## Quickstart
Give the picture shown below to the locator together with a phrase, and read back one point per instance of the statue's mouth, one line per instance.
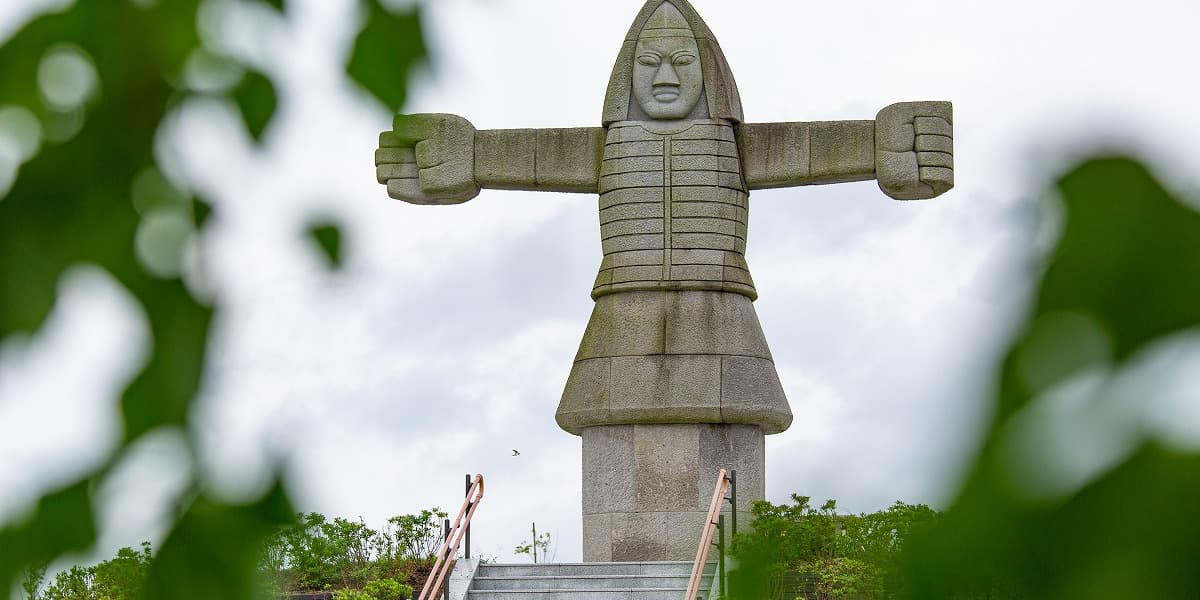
(666, 93)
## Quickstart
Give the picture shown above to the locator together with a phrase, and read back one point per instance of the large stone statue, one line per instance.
(673, 380)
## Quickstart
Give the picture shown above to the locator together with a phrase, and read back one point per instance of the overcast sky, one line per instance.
(445, 342)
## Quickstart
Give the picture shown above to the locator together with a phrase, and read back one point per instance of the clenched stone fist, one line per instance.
(914, 149)
(428, 159)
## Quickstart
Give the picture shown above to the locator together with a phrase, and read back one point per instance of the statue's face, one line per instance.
(667, 78)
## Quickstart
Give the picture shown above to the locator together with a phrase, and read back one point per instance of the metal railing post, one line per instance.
(721, 556)
(446, 586)
(467, 541)
(733, 502)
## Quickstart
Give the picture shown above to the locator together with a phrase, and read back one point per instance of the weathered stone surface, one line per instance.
(559, 160)
(722, 324)
(842, 151)
(625, 325)
(639, 536)
(506, 158)
(608, 474)
(681, 190)
(683, 532)
(444, 152)
(597, 537)
(673, 357)
(740, 447)
(674, 470)
(568, 160)
(906, 166)
(666, 463)
(751, 393)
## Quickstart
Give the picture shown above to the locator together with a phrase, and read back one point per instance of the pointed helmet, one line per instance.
(720, 89)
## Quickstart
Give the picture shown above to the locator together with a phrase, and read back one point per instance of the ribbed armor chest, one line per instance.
(673, 210)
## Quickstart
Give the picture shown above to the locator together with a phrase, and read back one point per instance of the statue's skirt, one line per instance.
(663, 357)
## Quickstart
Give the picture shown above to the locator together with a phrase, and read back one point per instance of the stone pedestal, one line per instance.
(647, 488)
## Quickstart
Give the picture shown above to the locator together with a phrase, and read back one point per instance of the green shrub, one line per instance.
(351, 595)
(120, 578)
(387, 589)
(842, 556)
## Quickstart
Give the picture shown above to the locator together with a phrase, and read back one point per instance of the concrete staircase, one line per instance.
(585, 581)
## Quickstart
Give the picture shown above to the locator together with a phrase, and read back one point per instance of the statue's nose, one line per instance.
(666, 74)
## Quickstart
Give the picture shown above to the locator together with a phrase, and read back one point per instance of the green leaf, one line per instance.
(162, 393)
(201, 213)
(257, 101)
(214, 550)
(1123, 277)
(1129, 255)
(329, 239)
(63, 522)
(276, 4)
(385, 53)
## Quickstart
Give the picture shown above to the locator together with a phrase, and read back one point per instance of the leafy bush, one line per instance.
(340, 554)
(843, 556)
(842, 578)
(72, 584)
(120, 578)
(413, 537)
(387, 589)
(351, 595)
(377, 589)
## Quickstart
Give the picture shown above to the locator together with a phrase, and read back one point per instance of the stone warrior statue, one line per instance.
(673, 379)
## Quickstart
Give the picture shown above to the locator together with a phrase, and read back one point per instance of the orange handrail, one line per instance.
(706, 536)
(455, 536)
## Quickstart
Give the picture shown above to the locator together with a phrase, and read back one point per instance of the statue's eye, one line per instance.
(684, 59)
(649, 60)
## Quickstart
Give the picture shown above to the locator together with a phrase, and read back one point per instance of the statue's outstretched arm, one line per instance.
(778, 155)
(442, 159)
(909, 148)
(547, 160)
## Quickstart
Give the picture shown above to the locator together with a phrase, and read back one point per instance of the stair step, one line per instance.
(585, 581)
(579, 582)
(585, 594)
(571, 569)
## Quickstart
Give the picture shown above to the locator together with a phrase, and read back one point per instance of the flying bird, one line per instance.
(515, 453)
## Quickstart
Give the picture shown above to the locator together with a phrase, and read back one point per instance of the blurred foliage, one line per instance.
(256, 100)
(381, 58)
(317, 554)
(99, 77)
(830, 555)
(1124, 276)
(329, 239)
